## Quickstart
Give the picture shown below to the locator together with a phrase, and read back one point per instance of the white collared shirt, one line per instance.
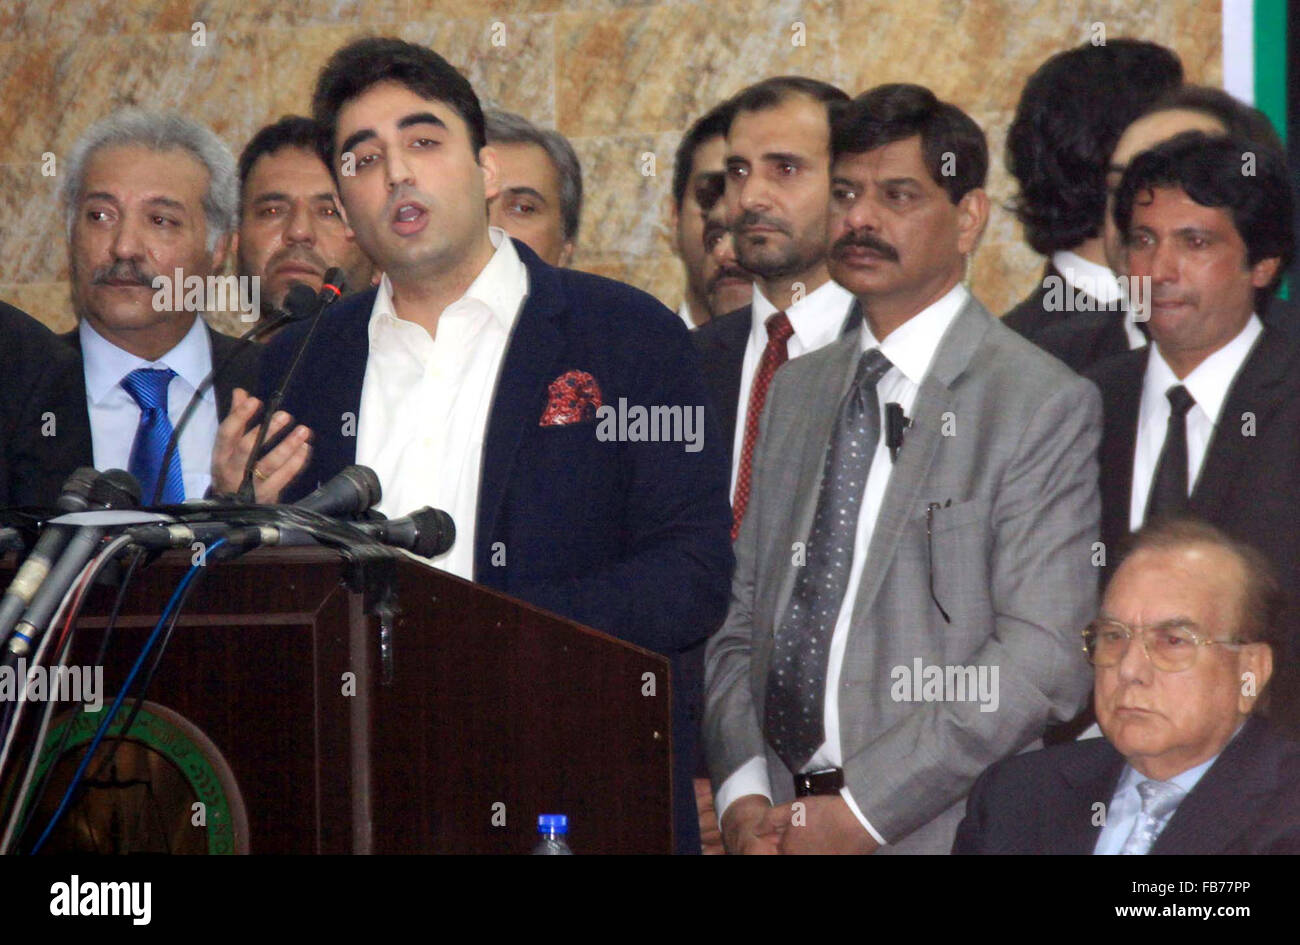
(425, 401)
(910, 348)
(817, 320)
(684, 313)
(1126, 802)
(1208, 384)
(115, 416)
(1099, 282)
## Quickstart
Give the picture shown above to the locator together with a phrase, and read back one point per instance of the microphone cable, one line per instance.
(76, 781)
(137, 555)
(76, 594)
(331, 532)
(331, 290)
(246, 339)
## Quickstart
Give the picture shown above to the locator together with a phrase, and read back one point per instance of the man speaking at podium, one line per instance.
(479, 380)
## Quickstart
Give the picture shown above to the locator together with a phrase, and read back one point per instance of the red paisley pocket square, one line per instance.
(573, 397)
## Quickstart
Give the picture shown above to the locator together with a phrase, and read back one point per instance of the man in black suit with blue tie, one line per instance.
(150, 200)
(477, 379)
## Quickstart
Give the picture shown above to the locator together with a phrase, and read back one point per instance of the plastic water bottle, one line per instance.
(553, 829)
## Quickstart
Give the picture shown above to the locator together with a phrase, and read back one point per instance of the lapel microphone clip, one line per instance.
(896, 423)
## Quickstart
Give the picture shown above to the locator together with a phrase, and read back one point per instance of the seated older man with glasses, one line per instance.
(1183, 652)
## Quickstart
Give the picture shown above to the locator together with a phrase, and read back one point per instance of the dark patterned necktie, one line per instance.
(796, 682)
(775, 354)
(148, 387)
(1169, 484)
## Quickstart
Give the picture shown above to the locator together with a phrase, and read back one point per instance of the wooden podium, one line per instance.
(493, 712)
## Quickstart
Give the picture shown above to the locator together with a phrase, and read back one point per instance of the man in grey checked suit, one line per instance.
(938, 598)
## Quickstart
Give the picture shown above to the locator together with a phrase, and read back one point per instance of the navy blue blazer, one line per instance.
(631, 538)
(1044, 801)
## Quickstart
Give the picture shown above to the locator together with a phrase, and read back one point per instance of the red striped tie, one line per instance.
(779, 331)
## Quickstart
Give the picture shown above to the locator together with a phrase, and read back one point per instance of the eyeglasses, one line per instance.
(1170, 647)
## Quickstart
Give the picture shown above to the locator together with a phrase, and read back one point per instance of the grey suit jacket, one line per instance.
(1009, 435)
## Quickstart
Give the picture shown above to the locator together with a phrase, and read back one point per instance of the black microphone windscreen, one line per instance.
(300, 302)
(435, 532)
(116, 489)
(350, 492)
(334, 277)
(75, 495)
(368, 484)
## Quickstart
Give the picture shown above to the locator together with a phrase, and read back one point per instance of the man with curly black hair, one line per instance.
(1070, 116)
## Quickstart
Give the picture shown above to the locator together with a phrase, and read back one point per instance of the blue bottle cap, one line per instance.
(552, 823)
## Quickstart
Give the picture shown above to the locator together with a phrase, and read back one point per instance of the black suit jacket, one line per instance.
(1249, 484)
(1085, 339)
(42, 414)
(241, 372)
(1043, 801)
(721, 345)
(1079, 338)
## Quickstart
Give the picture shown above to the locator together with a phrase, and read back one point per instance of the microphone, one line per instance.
(331, 290)
(296, 307)
(299, 303)
(350, 493)
(428, 532)
(160, 536)
(896, 422)
(114, 489)
(75, 497)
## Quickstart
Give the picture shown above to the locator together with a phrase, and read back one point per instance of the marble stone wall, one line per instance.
(619, 77)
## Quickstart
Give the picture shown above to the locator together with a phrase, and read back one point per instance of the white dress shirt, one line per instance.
(115, 416)
(817, 320)
(1208, 384)
(425, 401)
(1099, 282)
(684, 313)
(910, 348)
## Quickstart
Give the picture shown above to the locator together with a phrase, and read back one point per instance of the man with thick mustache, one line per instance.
(956, 539)
(1205, 418)
(290, 226)
(776, 204)
(147, 195)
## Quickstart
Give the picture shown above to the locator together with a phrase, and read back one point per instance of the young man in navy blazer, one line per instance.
(478, 379)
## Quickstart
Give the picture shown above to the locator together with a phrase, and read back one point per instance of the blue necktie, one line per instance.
(148, 387)
(1159, 801)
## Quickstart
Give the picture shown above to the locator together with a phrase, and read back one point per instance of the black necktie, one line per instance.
(1169, 485)
(795, 719)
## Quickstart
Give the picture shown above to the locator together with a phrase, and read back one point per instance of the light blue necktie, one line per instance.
(1159, 801)
(148, 387)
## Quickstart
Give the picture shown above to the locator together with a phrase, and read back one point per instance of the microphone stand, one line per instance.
(330, 291)
(245, 340)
